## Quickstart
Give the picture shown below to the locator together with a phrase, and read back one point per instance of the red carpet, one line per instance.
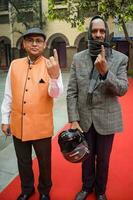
(67, 176)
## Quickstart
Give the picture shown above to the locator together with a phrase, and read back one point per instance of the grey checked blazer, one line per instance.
(95, 100)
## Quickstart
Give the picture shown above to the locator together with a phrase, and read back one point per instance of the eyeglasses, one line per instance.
(32, 41)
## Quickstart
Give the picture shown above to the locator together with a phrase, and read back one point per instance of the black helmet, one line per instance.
(73, 145)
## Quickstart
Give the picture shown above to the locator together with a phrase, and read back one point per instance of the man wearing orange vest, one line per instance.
(32, 83)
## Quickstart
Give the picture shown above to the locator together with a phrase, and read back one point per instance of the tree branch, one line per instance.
(126, 33)
(13, 4)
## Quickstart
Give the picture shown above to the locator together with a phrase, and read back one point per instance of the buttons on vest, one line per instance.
(24, 102)
(31, 94)
(28, 78)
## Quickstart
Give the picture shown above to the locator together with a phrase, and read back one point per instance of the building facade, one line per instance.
(60, 34)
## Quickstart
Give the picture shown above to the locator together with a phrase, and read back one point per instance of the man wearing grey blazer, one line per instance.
(98, 77)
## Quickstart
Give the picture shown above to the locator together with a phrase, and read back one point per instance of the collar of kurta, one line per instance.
(31, 62)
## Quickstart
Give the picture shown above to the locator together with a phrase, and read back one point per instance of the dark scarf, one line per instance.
(95, 47)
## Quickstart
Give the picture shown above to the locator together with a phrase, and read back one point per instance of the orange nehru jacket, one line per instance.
(31, 114)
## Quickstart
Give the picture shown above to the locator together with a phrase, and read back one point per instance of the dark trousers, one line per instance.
(42, 149)
(95, 168)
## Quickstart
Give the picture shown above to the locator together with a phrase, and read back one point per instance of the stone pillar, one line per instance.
(14, 53)
(70, 51)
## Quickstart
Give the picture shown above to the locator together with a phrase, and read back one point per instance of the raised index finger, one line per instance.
(102, 51)
(56, 55)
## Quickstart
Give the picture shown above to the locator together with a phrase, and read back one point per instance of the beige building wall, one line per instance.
(5, 30)
(64, 28)
(54, 29)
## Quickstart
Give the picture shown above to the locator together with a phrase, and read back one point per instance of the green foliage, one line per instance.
(121, 10)
(76, 11)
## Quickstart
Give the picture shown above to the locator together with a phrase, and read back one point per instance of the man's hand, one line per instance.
(75, 125)
(53, 66)
(101, 63)
(6, 129)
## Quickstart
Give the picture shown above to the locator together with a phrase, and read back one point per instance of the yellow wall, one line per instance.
(5, 30)
(64, 28)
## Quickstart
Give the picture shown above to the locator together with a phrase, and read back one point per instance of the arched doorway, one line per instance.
(60, 45)
(5, 53)
(59, 42)
(81, 42)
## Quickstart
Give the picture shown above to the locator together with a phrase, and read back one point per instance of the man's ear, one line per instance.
(23, 43)
(45, 44)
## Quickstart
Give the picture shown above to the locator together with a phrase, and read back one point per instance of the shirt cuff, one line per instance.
(5, 119)
(53, 88)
